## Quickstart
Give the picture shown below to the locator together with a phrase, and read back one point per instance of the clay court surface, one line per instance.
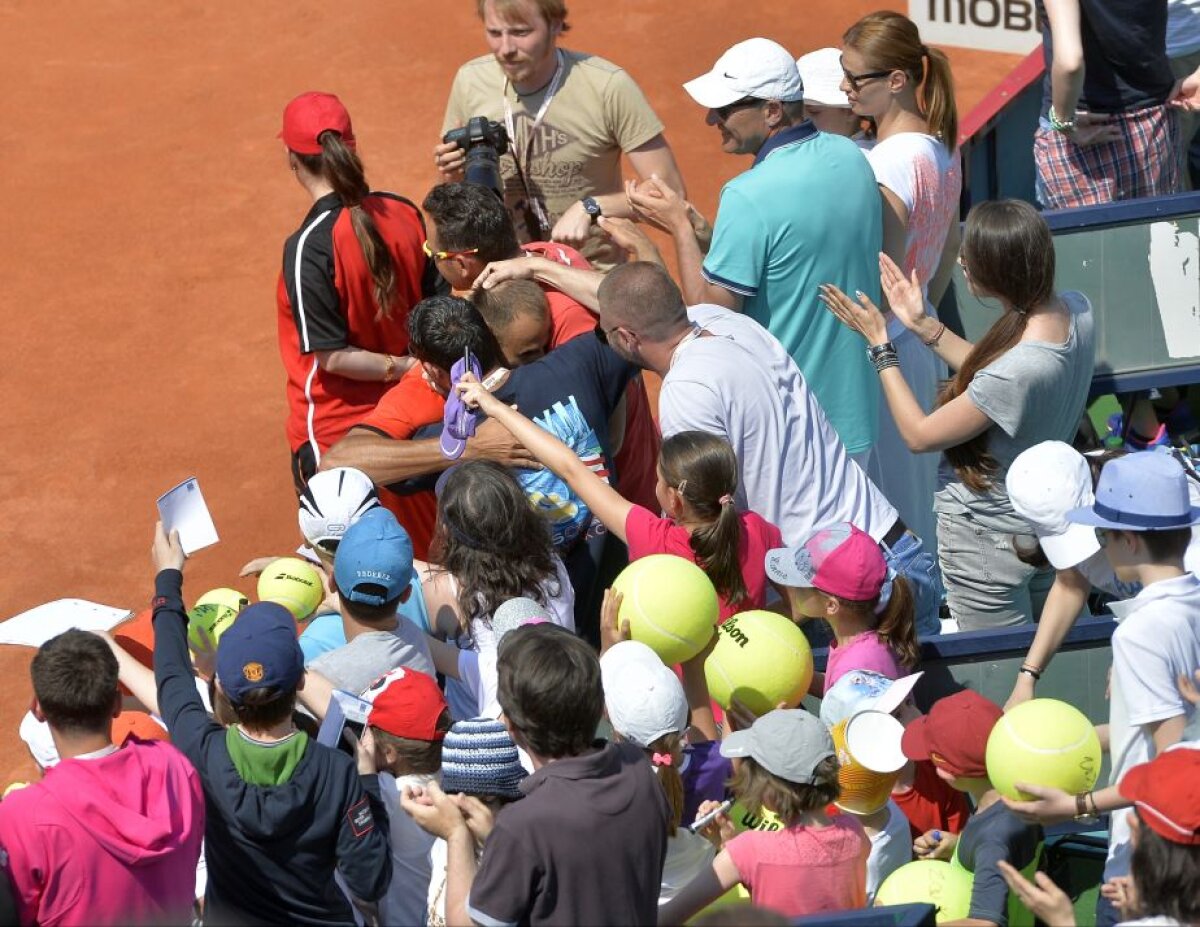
(148, 200)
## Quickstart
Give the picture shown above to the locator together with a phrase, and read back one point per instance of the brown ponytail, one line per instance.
(670, 745)
(897, 627)
(889, 41)
(703, 468)
(341, 166)
(1007, 253)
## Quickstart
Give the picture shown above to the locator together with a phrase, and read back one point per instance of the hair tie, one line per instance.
(662, 759)
(726, 499)
(885, 592)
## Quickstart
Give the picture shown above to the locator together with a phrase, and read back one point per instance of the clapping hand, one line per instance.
(863, 316)
(904, 294)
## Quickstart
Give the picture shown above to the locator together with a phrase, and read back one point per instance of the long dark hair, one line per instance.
(1167, 876)
(341, 166)
(890, 41)
(491, 540)
(896, 625)
(1008, 253)
(703, 468)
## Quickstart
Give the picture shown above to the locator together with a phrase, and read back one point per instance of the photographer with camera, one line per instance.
(552, 124)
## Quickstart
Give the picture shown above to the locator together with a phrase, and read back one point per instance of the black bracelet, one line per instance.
(1030, 671)
(886, 361)
(876, 350)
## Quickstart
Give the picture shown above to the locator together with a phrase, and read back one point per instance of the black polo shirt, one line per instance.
(585, 846)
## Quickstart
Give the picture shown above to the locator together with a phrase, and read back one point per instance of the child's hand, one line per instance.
(720, 830)
(934, 844)
(479, 817)
(166, 552)
(612, 629)
(1188, 689)
(364, 750)
(1049, 805)
(1123, 895)
(204, 657)
(434, 811)
(474, 393)
(1047, 901)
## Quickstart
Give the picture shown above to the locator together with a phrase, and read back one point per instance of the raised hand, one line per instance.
(863, 316)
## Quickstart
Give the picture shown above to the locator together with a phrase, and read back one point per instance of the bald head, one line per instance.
(642, 297)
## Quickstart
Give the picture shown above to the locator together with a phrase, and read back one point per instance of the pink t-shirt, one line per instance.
(647, 534)
(804, 870)
(864, 652)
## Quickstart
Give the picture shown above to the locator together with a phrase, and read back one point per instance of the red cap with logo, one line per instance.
(1166, 793)
(310, 114)
(954, 734)
(406, 703)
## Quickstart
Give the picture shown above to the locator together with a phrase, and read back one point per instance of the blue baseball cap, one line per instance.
(259, 650)
(374, 561)
(1143, 491)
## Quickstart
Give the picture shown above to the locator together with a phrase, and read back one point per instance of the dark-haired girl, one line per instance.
(1026, 381)
(351, 272)
(697, 479)
(489, 545)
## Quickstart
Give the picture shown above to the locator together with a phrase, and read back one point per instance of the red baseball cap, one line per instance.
(840, 560)
(310, 114)
(954, 734)
(1166, 793)
(406, 703)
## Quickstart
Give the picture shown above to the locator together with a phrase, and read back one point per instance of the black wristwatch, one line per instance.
(592, 208)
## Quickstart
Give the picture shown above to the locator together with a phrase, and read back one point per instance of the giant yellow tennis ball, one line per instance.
(762, 659)
(931, 881)
(1043, 742)
(743, 819)
(670, 604)
(213, 613)
(293, 583)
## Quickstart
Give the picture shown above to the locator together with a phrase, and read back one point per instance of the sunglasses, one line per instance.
(857, 80)
(724, 112)
(445, 255)
(602, 335)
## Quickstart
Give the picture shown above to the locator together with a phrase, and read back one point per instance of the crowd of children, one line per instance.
(440, 742)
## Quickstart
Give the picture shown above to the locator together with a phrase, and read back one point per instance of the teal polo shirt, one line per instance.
(808, 212)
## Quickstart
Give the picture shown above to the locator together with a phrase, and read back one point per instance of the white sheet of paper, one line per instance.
(183, 509)
(36, 626)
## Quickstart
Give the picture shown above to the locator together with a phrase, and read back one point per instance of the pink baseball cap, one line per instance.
(310, 114)
(840, 560)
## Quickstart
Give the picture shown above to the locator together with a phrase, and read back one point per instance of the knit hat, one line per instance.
(480, 758)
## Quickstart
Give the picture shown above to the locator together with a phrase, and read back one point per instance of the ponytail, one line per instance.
(703, 469)
(669, 746)
(339, 164)
(897, 625)
(936, 98)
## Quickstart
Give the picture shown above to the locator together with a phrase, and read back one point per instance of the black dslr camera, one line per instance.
(484, 140)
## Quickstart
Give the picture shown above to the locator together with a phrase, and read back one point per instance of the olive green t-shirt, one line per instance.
(597, 113)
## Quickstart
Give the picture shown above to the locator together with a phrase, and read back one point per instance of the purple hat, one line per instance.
(458, 422)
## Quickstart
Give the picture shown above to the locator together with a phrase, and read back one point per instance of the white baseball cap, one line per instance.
(644, 699)
(332, 501)
(756, 68)
(865, 690)
(821, 73)
(1046, 482)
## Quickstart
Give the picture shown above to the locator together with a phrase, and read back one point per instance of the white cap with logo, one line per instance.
(757, 68)
(821, 72)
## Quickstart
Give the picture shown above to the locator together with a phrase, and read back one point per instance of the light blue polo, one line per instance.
(808, 212)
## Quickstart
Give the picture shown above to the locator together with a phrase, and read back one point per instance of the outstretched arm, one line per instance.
(604, 501)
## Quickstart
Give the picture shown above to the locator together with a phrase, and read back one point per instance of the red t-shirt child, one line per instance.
(647, 534)
(408, 406)
(932, 803)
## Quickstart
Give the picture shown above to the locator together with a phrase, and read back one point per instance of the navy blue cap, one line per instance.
(374, 561)
(259, 650)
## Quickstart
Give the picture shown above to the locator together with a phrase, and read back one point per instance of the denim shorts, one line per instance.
(919, 566)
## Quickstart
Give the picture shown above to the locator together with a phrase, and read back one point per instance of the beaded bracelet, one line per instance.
(1059, 125)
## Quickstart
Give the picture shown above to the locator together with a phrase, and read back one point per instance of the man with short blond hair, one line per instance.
(569, 117)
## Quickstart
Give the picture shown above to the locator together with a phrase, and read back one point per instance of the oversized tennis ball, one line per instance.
(742, 818)
(931, 881)
(670, 604)
(213, 613)
(293, 583)
(762, 659)
(1043, 742)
